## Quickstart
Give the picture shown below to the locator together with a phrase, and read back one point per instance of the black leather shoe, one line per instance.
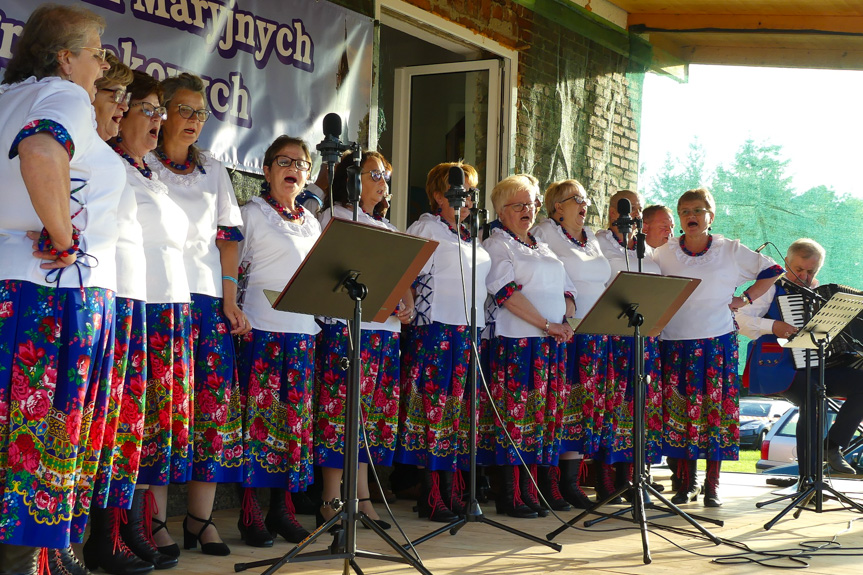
(838, 463)
(251, 521)
(281, 517)
(19, 559)
(64, 562)
(190, 539)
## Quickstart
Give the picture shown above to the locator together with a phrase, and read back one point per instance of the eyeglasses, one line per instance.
(151, 111)
(686, 212)
(287, 162)
(578, 200)
(376, 175)
(520, 207)
(119, 95)
(186, 112)
(99, 53)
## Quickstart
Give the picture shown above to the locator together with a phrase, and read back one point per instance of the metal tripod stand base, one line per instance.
(637, 513)
(811, 491)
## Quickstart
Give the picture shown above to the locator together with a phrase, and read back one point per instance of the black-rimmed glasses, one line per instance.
(187, 112)
(578, 200)
(287, 162)
(151, 111)
(376, 175)
(521, 206)
(119, 95)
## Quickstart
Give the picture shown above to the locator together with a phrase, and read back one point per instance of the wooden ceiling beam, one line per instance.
(774, 57)
(638, 22)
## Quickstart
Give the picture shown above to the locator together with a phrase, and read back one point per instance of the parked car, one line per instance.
(757, 416)
(779, 448)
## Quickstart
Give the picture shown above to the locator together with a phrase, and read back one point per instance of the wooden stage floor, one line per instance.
(611, 547)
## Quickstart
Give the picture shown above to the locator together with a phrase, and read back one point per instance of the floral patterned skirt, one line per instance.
(124, 424)
(701, 393)
(527, 382)
(218, 424)
(379, 395)
(586, 403)
(434, 427)
(55, 347)
(275, 372)
(616, 436)
(166, 452)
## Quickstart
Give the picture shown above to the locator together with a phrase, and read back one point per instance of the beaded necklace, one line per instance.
(518, 239)
(285, 212)
(463, 232)
(163, 157)
(619, 241)
(694, 254)
(580, 243)
(145, 171)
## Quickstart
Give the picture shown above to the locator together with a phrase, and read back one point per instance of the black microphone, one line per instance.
(456, 194)
(624, 220)
(331, 147)
(761, 247)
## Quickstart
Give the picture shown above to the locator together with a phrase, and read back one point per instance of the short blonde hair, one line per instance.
(698, 195)
(437, 181)
(556, 190)
(510, 186)
(806, 248)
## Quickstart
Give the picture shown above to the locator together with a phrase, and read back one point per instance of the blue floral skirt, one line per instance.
(124, 426)
(701, 393)
(434, 425)
(275, 371)
(218, 422)
(527, 380)
(55, 349)
(379, 395)
(166, 452)
(586, 397)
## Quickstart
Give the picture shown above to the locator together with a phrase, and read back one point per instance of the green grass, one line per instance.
(746, 463)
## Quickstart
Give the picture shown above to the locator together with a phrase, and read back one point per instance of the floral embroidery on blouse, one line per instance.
(54, 128)
(229, 234)
(506, 292)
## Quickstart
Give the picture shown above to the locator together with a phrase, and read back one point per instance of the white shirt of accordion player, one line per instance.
(725, 266)
(441, 294)
(616, 256)
(276, 248)
(750, 319)
(540, 273)
(339, 211)
(586, 266)
(208, 200)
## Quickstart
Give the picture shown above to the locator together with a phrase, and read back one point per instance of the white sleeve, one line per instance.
(502, 270)
(226, 200)
(750, 319)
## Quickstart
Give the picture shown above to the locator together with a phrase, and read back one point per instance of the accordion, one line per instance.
(845, 349)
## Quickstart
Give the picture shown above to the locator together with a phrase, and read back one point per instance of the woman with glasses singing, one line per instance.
(585, 406)
(533, 297)
(276, 359)
(60, 189)
(200, 185)
(433, 433)
(380, 350)
(699, 344)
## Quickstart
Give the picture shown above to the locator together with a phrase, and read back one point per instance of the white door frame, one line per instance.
(402, 123)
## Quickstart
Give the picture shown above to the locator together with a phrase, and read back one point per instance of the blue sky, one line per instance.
(815, 115)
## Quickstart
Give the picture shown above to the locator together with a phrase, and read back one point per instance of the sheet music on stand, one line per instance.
(830, 320)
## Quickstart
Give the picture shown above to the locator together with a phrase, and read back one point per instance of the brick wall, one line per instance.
(578, 103)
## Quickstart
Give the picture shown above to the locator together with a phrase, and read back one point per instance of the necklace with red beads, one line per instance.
(462, 233)
(285, 212)
(695, 254)
(519, 240)
(163, 157)
(145, 170)
(580, 243)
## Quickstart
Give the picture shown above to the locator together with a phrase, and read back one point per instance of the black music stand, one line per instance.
(818, 332)
(631, 303)
(327, 283)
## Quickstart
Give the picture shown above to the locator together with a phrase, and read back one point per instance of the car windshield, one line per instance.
(755, 409)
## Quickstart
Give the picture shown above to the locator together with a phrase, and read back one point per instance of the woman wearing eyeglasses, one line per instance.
(433, 433)
(200, 185)
(699, 344)
(585, 408)
(380, 350)
(60, 189)
(533, 296)
(276, 359)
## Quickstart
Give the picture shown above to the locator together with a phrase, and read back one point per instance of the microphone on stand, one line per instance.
(761, 247)
(331, 147)
(456, 194)
(624, 220)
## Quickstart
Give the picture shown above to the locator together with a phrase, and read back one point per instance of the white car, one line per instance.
(779, 447)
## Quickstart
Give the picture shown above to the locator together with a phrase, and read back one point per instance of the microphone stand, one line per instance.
(474, 513)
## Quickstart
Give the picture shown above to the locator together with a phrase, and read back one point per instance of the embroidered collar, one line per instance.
(283, 211)
(695, 254)
(145, 170)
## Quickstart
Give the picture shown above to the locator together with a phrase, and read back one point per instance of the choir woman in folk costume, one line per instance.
(200, 185)
(584, 410)
(380, 353)
(118, 545)
(614, 454)
(56, 309)
(433, 430)
(699, 344)
(527, 355)
(277, 357)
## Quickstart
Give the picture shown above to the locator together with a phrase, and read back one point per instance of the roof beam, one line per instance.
(814, 24)
(837, 59)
